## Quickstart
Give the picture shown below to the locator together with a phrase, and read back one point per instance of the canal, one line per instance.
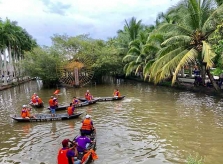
(153, 124)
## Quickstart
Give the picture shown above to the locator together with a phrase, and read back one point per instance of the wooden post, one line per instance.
(76, 76)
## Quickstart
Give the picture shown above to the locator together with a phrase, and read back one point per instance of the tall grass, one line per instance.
(195, 160)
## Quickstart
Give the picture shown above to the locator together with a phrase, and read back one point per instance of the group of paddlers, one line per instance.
(36, 100)
(53, 103)
(25, 113)
(68, 153)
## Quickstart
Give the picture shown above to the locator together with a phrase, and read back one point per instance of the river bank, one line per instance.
(186, 84)
(4, 87)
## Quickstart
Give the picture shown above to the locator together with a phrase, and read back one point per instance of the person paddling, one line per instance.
(87, 125)
(88, 96)
(25, 113)
(66, 154)
(116, 93)
(52, 104)
(75, 101)
(82, 142)
(70, 109)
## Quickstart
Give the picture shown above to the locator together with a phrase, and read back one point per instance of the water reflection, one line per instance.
(151, 125)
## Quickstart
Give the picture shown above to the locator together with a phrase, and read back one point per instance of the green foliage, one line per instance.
(195, 160)
(106, 60)
(43, 63)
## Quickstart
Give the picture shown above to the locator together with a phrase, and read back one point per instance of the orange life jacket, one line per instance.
(70, 110)
(90, 152)
(87, 95)
(25, 113)
(86, 125)
(117, 93)
(40, 101)
(51, 102)
(34, 99)
(62, 156)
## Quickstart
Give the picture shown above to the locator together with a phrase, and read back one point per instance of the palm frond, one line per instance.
(134, 50)
(159, 63)
(208, 54)
(129, 57)
(146, 68)
(187, 57)
(140, 58)
(174, 27)
(130, 67)
(178, 38)
(213, 20)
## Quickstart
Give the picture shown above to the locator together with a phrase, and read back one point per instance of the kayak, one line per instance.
(100, 99)
(82, 104)
(46, 117)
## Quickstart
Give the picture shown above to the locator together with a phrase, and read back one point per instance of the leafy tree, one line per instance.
(187, 41)
(44, 63)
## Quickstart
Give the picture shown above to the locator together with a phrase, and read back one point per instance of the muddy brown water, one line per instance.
(152, 125)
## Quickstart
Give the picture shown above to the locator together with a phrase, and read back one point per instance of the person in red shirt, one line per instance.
(66, 154)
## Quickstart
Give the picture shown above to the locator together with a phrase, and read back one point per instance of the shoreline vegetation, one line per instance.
(184, 86)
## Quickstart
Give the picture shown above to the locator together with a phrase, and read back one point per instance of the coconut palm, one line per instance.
(187, 41)
(138, 55)
(129, 33)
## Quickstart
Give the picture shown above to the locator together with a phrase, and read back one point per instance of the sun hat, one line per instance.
(87, 116)
(24, 106)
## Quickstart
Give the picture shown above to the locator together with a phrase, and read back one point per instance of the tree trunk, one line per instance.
(1, 69)
(190, 71)
(216, 87)
(5, 68)
(203, 73)
(10, 63)
(182, 72)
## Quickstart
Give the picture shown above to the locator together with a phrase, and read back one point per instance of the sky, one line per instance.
(101, 19)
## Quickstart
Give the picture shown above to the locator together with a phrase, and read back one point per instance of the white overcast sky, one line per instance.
(99, 18)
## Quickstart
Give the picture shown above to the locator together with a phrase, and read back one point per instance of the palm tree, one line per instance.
(187, 41)
(129, 33)
(14, 40)
(137, 55)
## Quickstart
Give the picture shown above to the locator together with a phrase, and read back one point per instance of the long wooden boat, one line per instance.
(82, 104)
(100, 99)
(46, 117)
(91, 146)
(36, 106)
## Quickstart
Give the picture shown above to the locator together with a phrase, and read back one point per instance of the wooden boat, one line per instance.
(104, 98)
(46, 117)
(36, 106)
(82, 104)
(91, 146)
